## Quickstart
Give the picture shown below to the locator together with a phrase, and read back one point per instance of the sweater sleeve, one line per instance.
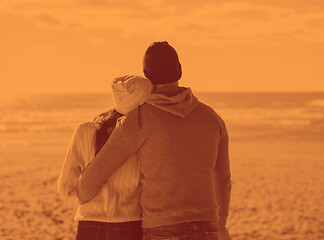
(115, 152)
(71, 170)
(223, 177)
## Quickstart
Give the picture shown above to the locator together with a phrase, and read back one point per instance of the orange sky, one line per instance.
(79, 45)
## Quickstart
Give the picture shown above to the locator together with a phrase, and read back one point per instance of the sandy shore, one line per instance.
(278, 188)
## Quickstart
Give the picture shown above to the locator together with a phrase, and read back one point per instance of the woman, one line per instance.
(115, 212)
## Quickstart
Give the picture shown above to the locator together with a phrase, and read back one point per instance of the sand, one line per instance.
(278, 187)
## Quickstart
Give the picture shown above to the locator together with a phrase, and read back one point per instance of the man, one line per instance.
(182, 146)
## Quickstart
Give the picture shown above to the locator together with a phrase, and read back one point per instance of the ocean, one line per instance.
(269, 114)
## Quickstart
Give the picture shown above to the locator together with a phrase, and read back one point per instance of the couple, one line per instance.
(154, 167)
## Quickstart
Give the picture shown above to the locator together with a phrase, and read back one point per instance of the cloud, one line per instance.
(213, 24)
(249, 23)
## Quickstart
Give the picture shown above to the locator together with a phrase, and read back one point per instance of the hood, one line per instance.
(180, 104)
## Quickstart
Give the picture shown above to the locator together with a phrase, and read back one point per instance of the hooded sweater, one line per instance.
(182, 146)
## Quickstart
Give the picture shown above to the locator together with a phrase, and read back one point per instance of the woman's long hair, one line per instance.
(106, 123)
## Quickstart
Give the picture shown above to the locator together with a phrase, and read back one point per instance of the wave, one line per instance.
(40, 121)
(316, 103)
(238, 114)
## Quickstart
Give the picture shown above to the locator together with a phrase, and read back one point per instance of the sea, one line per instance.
(299, 115)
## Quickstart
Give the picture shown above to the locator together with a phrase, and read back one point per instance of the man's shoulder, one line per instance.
(210, 112)
(206, 108)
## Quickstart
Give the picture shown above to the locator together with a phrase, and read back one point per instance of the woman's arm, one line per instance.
(72, 166)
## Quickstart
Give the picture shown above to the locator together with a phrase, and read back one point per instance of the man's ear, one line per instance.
(180, 73)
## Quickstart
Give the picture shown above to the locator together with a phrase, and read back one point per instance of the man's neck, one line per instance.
(169, 89)
(168, 85)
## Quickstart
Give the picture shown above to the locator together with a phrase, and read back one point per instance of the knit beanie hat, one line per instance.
(161, 63)
(129, 92)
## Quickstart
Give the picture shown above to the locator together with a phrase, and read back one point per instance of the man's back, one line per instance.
(176, 141)
(182, 146)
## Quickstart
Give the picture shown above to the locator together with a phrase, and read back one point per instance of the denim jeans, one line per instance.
(204, 230)
(91, 230)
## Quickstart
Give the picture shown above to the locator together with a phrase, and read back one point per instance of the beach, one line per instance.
(277, 178)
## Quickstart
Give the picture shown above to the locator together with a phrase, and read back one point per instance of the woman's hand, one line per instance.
(223, 234)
